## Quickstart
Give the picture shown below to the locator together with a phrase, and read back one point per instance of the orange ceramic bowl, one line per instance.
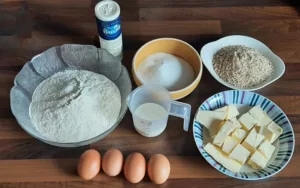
(175, 47)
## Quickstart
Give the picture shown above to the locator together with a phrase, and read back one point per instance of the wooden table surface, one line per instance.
(28, 27)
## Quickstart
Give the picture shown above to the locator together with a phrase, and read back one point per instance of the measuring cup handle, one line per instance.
(181, 110)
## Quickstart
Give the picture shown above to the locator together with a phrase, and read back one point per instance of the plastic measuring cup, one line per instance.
(157, 95)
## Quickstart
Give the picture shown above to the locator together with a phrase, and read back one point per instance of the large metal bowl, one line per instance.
(42, 66)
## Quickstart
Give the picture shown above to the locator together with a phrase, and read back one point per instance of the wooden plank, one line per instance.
(19, 134)
(55, 170)
(271, 32)
(9, 125)
(201, 3)
(67, 15)
(113, 183)
(172, 27)
(289, 54)
(82, 28)
(146, 183)
(290, 104)
(13, 60)
(59, 3)
(40, 42)
(219, 13)
(15, 20)
(32, 148)
(12, 3)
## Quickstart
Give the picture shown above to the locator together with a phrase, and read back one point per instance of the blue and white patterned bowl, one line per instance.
(245, 100)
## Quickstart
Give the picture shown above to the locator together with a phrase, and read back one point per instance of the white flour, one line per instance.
(75, 105)
(166, 70)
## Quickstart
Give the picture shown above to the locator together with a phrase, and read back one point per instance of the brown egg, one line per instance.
(135, 167)
(112, 162)
(89, 164)
(158, 168)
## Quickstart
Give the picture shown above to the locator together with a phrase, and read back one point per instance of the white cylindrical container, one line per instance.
(109, 27)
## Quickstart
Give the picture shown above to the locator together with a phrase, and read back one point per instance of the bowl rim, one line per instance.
(216, 77)
(247, 179)
(174, 39)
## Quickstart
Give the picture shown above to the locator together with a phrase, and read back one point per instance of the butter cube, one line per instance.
(211, 120)
(265, 121)
(221, 158)
(229, 144)
(265, 132)
(252, 141)
(267, 149)
(255, 129)
(257, 112)
(239, 135)
(220, 138)
(235, 122)
(258, 161)
(248, 121)
(240, 154)
(276, 130)
(225, 130)
(231, 111)
(261, 116)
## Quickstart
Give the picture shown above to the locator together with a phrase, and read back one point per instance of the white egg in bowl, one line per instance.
(209, 50)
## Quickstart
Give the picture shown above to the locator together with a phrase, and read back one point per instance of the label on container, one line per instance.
(109, 30)
(114, 47)
(110, 36)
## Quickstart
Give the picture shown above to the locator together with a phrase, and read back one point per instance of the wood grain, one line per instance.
(52, 170)
(219, 13)
(29, 27)
(202, 3)
(172, 28)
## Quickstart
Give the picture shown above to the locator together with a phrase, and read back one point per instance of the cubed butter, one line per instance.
(258, 140)
(267, 149)
(229, 144)
(258, 161)
(265, 121)
(261, 116)
(235, 122)
(255, 129)
(212, 120)
(231, 111)
(221, 158)
(240, 154)
(276, 130)
(252, 141)
(265, 132)
(257, 112)
(220, 139)
(247, 121)
(239, 135)
(225, 130)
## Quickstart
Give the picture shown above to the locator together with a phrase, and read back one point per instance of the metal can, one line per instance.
(109, 27)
